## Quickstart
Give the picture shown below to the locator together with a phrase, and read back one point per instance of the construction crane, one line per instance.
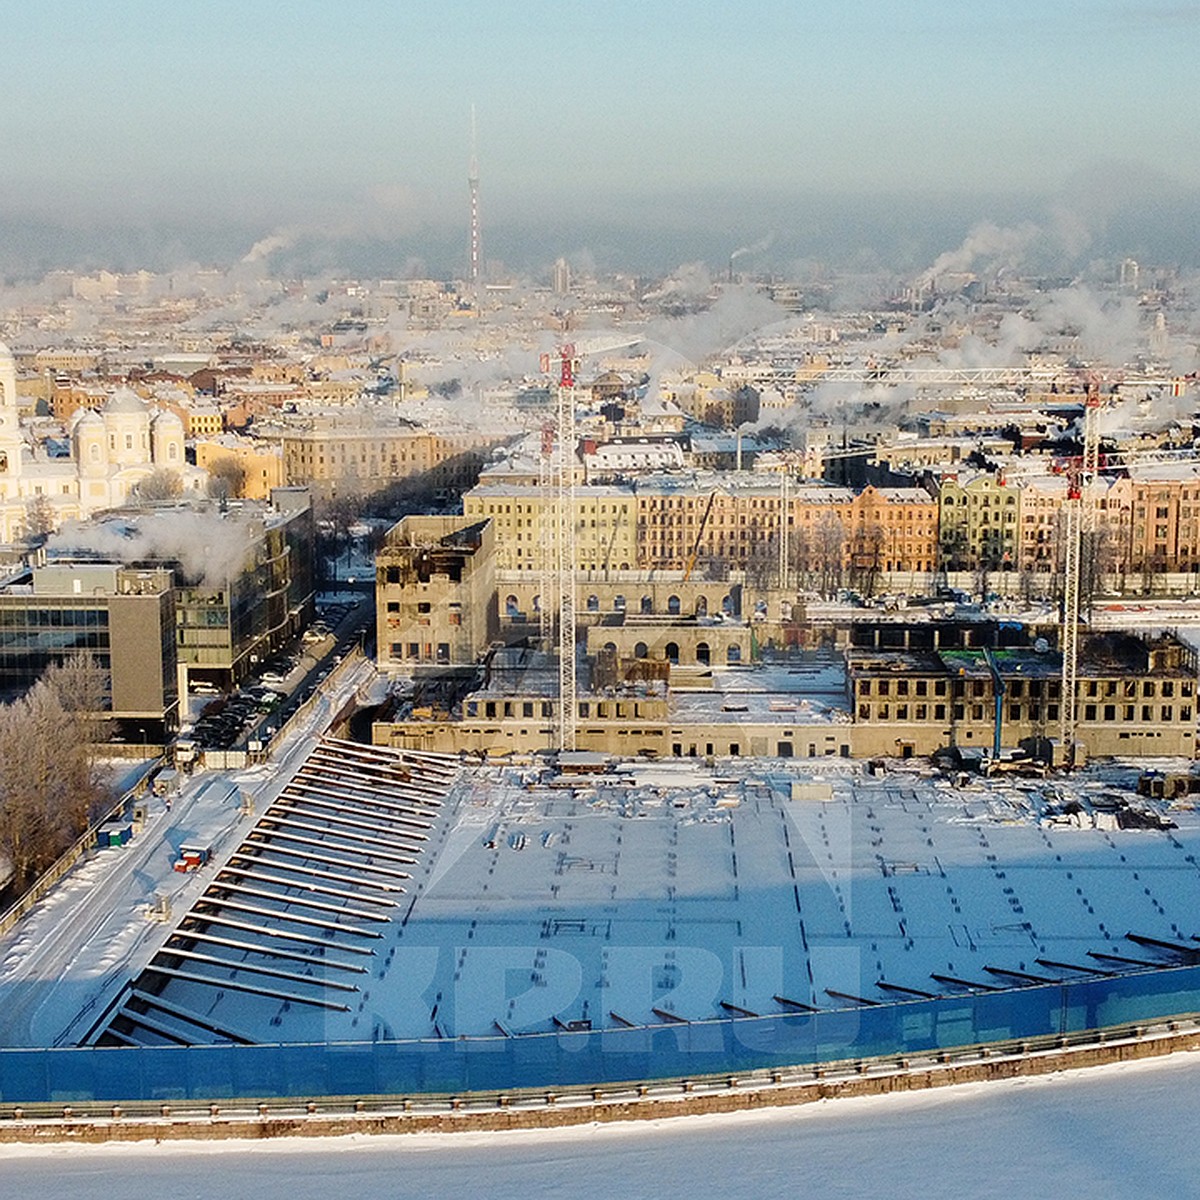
(998, 689)
(565, 547)
(785, 513)
(547, 560)
(690, 565)
(560, 557)
(1078, 520)
(1078, 524)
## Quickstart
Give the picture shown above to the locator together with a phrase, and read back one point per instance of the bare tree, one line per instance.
(227, 478)
(161, 484)
(40, 518)
(50, 788)
(828, 552)
(867, 556)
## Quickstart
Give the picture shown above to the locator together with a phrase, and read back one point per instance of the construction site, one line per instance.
(621, 830)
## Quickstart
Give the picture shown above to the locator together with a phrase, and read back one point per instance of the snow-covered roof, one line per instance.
(385, 896)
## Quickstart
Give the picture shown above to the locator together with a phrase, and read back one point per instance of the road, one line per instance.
(62, 965)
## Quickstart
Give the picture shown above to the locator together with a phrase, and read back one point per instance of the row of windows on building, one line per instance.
(1032, 712)
(1148, 689)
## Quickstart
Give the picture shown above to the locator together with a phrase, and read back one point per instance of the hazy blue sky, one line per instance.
(352, 117)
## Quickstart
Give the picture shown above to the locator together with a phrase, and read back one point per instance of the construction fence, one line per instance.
(566, 1059)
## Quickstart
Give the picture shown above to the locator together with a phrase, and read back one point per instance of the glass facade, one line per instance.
(221, 628)
(36, 632)
(579, 1059)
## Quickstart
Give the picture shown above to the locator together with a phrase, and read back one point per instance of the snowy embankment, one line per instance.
(1106, 1133)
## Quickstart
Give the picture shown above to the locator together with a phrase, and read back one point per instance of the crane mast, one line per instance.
(1077, 525)
(566, 549)
(547, 604)
(785, 509)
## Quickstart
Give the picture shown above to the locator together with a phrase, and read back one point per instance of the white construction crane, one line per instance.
(1078, 520)
(567, 549)
(559, 544)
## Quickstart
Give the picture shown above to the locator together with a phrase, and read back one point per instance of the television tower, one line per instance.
(473, 184)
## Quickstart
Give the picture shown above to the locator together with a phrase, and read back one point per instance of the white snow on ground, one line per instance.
(63, 963)
(1110, 1133)
(675, 887)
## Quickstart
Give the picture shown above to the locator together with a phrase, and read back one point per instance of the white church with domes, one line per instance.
(112, 451)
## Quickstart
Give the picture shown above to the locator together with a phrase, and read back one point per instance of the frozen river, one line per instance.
(1116, 1132)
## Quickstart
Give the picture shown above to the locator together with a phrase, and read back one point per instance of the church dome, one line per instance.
(125, 400)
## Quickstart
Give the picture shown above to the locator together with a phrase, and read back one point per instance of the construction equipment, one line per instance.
(998, 690)
(564, 478)
(695, 551)
(1079, 476)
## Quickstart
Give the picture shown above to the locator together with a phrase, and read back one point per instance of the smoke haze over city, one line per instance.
(626, 136)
